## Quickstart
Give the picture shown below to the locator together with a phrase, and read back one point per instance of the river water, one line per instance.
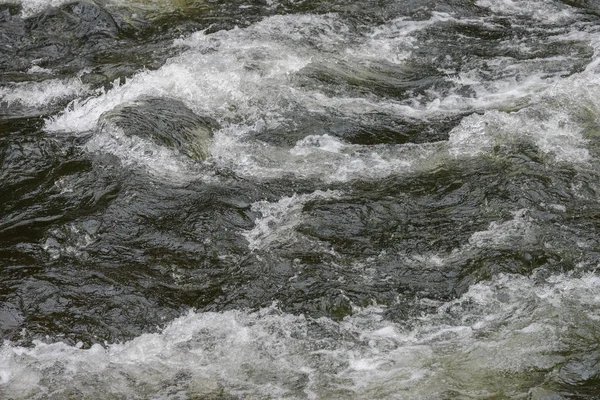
(400, 199)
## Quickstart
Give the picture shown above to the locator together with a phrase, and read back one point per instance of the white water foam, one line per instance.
(36, 69)
(322, 157)
(503, 337)
(506, 235)
(278, 220)
(230, 75)
(393, 42)
(558, 120)
(246, 79)
(39, 94)
(539, 10)
(162, 163)
(32, 7)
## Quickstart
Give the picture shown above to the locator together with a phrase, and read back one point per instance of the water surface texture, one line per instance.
(290, 199)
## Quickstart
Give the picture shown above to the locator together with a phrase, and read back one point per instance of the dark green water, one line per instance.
(400, 200)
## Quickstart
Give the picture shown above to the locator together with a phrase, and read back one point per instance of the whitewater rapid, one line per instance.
(396, 207)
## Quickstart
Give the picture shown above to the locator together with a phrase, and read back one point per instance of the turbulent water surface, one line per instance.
(331, 199)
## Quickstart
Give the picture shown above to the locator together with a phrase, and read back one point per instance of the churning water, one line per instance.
(331, 199)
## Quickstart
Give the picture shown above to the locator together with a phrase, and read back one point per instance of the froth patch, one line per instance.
(39, 94)
(540, 10)
(278, 220)
(498, 331)
(229, 75)
(32, 7)
(321, 157)
(560, 119)
(191, 356)
(252, 78)
(162, 163)
(506, 235)
(551, 132)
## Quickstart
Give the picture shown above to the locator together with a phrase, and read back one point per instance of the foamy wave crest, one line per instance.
(38, 94)
(279, 219)
(505, 336)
